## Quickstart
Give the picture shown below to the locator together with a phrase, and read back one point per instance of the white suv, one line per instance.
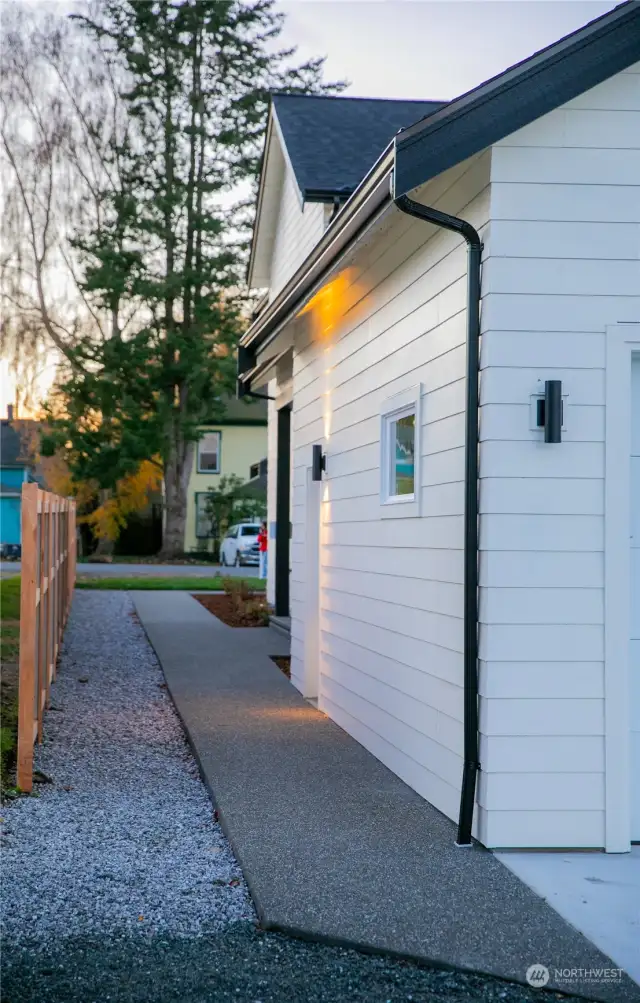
(240, 545)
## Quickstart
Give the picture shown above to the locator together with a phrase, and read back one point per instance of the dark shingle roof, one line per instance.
(333, 141)
(11, 454)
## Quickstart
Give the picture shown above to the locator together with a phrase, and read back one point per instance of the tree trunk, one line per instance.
(176, 484)
(104, 547)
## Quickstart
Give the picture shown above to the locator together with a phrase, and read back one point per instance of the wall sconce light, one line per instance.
(550, 410)
(318, 463)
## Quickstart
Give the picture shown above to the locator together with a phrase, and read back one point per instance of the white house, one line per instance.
(462, 576)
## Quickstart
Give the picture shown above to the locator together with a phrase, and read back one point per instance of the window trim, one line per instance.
(200, 536)
(399, 406)
(209, 431)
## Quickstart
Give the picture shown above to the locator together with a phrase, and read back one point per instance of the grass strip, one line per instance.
(164, 584)
(9, 654)
(10, 598)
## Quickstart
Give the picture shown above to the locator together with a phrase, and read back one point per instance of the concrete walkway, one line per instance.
(332, 844)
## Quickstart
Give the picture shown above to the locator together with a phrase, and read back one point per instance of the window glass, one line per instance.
(209, 453)
(233, 532)
(249, 530)
(204, 522)
(254, 471)
(402, 441)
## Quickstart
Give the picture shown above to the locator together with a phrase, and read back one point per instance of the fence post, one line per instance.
(43, 596)
(73, 547)
(28, 637)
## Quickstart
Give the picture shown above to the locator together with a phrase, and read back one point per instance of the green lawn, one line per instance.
(9, 653)
(166, 583)
(10, 598)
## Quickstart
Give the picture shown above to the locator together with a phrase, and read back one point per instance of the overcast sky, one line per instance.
(427, 48)
(414, 49)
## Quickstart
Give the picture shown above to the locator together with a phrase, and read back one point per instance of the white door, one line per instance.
(635, 599)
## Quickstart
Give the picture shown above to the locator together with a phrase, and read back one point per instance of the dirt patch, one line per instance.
(252, 613)
(284, 664)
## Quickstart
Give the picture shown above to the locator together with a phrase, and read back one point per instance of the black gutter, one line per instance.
(327, 194)
(471, 763)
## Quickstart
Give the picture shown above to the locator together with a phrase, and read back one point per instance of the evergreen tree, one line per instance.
(170, 251)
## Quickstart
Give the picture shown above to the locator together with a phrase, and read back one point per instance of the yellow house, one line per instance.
(232, 445)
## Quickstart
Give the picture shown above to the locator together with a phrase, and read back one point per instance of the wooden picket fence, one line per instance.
(47, 579)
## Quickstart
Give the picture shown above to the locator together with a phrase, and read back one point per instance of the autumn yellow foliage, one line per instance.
(131, 495)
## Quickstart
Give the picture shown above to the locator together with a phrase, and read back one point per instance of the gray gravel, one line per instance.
(240, 965)
(124, 838)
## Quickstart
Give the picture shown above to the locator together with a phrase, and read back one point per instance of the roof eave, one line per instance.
(261, 187)
(370, 196)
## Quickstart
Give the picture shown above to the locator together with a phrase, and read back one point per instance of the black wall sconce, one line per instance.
(318, 463)
(550, 411)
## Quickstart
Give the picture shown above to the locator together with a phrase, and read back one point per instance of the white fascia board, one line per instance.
(266, 223)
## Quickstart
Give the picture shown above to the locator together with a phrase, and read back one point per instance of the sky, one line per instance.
(427, 49)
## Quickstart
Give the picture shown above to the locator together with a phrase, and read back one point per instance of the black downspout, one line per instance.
(471, 751)
(283, 514)
(255, 395)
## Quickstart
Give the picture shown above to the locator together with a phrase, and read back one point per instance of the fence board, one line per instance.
(47, 580)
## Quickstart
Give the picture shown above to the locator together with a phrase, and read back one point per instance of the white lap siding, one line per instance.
(391, 594)
(562, 263)
(298, 231)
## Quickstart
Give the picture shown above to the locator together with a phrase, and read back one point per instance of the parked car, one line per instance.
(240, 545)
(11, 551)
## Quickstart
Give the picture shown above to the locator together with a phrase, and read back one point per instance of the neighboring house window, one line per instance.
(254, 471)
(400, 454)
(204, 527)
(209, 453)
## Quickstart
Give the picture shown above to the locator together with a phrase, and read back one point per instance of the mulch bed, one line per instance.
(232, 614)
(284, 664)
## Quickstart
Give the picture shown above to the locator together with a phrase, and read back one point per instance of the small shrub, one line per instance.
(247, 604)
(257, 608)
(230, 585)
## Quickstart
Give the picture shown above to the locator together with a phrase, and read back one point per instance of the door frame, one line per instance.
(622, 342)
(283, 511)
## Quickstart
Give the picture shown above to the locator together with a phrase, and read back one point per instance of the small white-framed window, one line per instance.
(209, 453)
(400, 454)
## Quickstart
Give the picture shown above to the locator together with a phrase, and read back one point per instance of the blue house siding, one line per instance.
(11, 481)
(9, 519)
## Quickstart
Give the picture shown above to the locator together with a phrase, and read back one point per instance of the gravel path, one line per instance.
(118, 884)
(124, 838)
